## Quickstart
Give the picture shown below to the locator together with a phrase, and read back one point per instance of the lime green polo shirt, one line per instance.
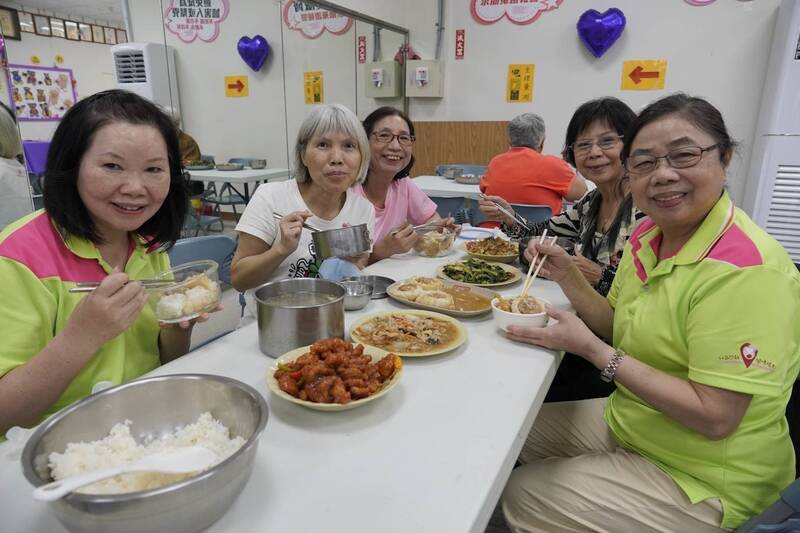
(37, 269)
(724, 312)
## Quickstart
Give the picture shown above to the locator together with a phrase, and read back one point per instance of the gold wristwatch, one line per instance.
(607, 374)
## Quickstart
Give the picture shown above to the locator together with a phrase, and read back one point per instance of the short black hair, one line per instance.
(612, 110)
(380, 114)
(72, 139)
(696, 110)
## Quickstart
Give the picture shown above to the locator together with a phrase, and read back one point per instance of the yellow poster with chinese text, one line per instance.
(313, 87)
(519, 84)
(644, 75)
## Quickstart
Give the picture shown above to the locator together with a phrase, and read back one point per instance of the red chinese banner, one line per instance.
(517, 11)
(362, 48)
(459, 44)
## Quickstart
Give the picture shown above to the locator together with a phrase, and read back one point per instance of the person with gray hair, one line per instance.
(330, 155)
(523, 175)
(15, 191)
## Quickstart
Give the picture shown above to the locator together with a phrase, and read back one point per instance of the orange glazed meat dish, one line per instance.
(334, 371)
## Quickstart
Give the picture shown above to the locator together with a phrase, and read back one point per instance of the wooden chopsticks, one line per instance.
(533, 272)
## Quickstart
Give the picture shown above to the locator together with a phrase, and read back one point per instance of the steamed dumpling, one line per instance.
(526, 306)
(428, 284)
(409, 291)
(436, 299)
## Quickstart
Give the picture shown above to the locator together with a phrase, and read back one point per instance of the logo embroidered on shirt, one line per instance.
(749, 353)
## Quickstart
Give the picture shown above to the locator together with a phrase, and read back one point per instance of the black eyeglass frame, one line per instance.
(393, 137)
(667, 157)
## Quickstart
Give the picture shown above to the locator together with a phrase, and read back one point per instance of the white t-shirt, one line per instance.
(284, 197)
(15, 191)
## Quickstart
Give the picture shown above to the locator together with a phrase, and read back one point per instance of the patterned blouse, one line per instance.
(578, 223)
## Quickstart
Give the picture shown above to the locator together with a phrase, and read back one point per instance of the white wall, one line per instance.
(90, 63)
(717, 51)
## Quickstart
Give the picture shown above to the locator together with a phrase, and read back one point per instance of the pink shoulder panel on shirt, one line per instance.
(38, 245)
(636, 245)
(736, 248)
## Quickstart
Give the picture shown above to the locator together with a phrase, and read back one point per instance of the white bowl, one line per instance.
(504, 319)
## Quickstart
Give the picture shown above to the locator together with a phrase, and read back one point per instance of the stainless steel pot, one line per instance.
(156, 406)
(297, 312)
(341, 242)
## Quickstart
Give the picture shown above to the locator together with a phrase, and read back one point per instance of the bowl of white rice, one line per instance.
(124, 423)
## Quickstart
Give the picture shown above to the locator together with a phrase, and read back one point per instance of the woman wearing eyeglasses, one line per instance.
(703, 314)
(596, 227)
(600, 223)
(399, 203)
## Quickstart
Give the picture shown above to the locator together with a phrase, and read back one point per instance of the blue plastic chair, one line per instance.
(531, 213)
(453, 207)
(465, 169)
(783, 516)
(219, 248)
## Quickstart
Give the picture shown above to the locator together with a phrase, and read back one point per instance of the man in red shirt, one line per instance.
(523, 175)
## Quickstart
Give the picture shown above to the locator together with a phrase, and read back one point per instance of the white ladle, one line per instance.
(181, 461)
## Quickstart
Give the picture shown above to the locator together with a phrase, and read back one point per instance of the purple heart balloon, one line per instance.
(599, 31)
(254, 51)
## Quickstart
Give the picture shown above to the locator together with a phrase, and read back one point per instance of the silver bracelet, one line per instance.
(607, 374)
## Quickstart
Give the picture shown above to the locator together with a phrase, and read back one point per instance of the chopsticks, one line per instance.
(89, 286)
(432, 225)
(529, 278)
(309, 227)
(521, 221)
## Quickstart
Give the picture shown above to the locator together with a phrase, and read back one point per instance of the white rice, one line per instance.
(119, 447)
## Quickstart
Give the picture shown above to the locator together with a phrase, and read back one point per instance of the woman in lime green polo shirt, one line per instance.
(703, 314)
(114, 199)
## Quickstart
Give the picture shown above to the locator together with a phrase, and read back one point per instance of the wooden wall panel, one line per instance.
(444, 143)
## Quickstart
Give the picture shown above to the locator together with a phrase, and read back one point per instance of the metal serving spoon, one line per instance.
(180, 461)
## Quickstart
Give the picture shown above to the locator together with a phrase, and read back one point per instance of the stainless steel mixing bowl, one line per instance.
(156, 406)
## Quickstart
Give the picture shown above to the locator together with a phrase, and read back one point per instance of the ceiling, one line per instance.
(109, 11)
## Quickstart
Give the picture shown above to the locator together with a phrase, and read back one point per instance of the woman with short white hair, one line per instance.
(15, 192)
(331, 154)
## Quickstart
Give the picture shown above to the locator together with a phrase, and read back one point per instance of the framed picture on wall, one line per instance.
(26, 22)
(97, 34)
(71, 29)
(85, 31)
(42, 24)
(9, 23)
(122, 36)
(57, 28)
(110, 35)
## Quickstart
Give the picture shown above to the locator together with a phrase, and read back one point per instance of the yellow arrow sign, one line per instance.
(236, 86)
(644, 75)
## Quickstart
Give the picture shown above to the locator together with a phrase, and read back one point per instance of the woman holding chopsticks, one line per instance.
(695, 437)
(596, 227)
(114, 199)
(599, 224)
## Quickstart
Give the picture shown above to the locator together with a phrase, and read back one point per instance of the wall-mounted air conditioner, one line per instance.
(147, 69)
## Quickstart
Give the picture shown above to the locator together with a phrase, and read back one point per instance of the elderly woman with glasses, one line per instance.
(399, 204)
(703, 315)
(595, 229)
(331, 154)
(597, 226)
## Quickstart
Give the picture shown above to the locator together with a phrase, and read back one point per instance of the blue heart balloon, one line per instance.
(253, 51)
(599, 31)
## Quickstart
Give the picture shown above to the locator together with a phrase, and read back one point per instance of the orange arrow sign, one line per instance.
(639, 73)
(238, 86)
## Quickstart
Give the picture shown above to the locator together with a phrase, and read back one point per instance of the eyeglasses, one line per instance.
(606, 142)
(385, 137)
(685, 157)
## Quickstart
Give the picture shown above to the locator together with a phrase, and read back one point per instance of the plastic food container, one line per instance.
(434, 242)
(195, 291)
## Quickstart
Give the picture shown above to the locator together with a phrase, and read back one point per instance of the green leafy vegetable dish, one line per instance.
(477, 271)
